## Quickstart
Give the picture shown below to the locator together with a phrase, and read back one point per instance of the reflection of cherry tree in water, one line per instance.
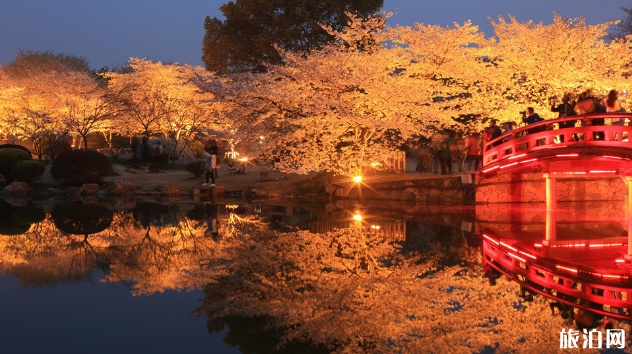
(50, 253)
(451, 244)
(341, 291)
(148, 259)
(155, 258)
(347, 292)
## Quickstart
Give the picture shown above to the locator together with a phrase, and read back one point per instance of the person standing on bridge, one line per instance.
(492, 132)
(530, 117)
(586, 104)
(614, 105)
(564, 110)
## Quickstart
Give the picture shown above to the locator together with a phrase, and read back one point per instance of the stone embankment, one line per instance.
(418, 189)
(117, 188)
(414, 188)
(530, 188)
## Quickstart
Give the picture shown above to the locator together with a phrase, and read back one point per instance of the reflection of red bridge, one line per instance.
(588, 149)
(587, 275)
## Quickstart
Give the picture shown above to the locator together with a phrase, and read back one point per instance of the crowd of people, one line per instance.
(466, 153)
(452, 148)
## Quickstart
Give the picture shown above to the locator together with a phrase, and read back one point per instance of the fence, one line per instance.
(590, 132)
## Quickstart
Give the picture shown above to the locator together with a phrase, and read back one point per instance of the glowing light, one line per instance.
(568, 269)
(518, 156)
(516, 257)
(605, 245)
(506, 245)
(243, 159)
(567, 155)
(608, 276)
(614, 157)
(357, 217)
(509, 165)
(375, 227)
(602, 171)
(613, 276)
(568, 246)
(491, 240)
(357, 179)
(619, 261)
(491, 168)
(528, 255)
(537, 245)
(530, 160)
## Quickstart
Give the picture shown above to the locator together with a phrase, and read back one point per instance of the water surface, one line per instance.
(131, 276)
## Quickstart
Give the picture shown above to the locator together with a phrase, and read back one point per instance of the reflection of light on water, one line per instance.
(250, 269)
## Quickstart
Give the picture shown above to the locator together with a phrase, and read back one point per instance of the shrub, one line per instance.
(14, 146)
(81, 166)
(27, 171)
(8, 158)
(196, 168)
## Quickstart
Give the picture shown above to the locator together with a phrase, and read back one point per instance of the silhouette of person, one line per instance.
(212, 221)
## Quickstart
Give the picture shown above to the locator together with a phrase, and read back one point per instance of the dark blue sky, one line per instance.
(108, 32)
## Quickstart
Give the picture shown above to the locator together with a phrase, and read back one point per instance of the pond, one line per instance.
(144, 276)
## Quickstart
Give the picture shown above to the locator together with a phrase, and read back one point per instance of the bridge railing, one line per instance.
(588, 130)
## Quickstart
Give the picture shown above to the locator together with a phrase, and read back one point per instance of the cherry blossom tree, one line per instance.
(331, 109)
(353, 102)
(9, 98)
(161, 98)
(530, 63)
(34, 117)
(86, 106)
(46, 83)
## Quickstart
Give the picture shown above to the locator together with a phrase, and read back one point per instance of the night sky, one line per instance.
(110, 32)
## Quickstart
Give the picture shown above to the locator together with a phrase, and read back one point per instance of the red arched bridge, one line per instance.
(595, 145)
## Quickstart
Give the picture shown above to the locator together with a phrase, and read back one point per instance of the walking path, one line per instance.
(276, 185)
